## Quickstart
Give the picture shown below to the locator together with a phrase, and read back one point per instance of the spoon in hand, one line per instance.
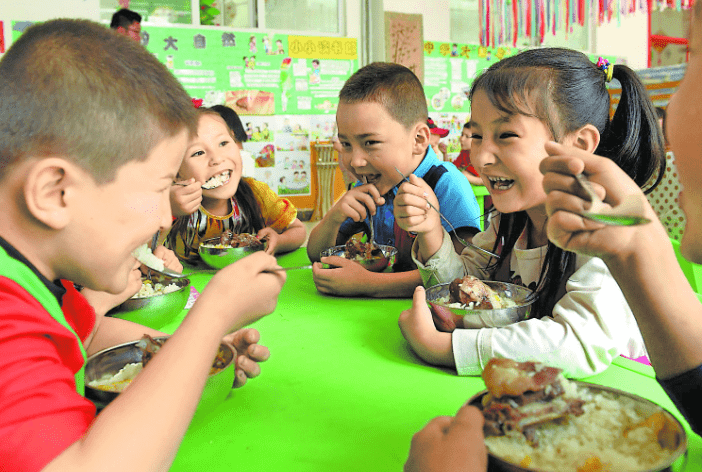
(627, 213)
(453, 230)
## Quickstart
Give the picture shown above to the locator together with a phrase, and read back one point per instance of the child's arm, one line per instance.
(290, 239)
(237, 295)
(354, 204)
(414, 214)
(668, 312)
(351, 279)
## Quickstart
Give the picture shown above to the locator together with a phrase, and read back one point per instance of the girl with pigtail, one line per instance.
(580, 320)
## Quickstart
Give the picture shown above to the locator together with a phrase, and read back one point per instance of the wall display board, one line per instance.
(285, 89)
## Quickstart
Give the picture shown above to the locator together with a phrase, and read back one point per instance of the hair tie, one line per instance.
(197, 102)
(608, 69)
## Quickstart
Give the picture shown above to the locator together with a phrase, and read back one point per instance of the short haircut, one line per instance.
(74, 89)
(233, 121)
(124, 18)
(392, 86)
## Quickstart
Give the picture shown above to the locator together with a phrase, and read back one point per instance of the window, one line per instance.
(311, 16)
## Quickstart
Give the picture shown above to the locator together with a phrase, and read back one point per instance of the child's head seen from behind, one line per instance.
(110, 158)
(381, 121)
(115, 100)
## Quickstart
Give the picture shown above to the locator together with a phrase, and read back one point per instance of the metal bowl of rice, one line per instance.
(109, 372)
(515, 297)
(218, 256)
(158, 301)
(373, 264)
(616, 432)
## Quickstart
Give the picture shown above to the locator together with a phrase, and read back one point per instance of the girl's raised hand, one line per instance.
(185, 197)
(170, 260)
(566, 200)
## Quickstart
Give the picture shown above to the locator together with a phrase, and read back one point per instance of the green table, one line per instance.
(481, 192)
(342, 390)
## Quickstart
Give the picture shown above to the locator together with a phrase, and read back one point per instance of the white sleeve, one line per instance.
(446, 264)
(591, 325)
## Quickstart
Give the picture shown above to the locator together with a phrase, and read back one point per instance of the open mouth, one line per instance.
(500, 183)
(217, 180)
(371, 178)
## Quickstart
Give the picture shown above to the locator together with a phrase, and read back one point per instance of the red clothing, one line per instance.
(462, 161)
(41, 413)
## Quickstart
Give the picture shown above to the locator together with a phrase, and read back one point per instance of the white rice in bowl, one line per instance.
(119, 381)
(150, 289)
(505, 302)
(612, 435)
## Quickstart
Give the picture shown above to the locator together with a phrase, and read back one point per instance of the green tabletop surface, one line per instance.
(342, 390)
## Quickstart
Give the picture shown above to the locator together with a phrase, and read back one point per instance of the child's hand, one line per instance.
(185, 200)
(241, 293)
(566, 200)
(170, 260)
(346, 278)
(412, 210)
(271, 237)
(356, 204)
(417, 326)
(448, 444)
(249, 354)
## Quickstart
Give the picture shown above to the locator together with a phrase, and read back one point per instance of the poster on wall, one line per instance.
(285, 89)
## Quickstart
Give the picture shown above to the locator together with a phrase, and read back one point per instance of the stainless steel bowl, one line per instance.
(376, 264)
(218, 258)
(644, 407)
(158, 310)
(111, 360)
(473, 318)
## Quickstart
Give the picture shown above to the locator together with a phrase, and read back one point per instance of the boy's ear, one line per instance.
(421, 138)
(586, 138)
(45, 191)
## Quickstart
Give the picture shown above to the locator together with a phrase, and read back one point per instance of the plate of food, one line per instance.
(537, 420)
(374, 257)
(480, 303)
(111, 371)
(229, 248)
(157, 302)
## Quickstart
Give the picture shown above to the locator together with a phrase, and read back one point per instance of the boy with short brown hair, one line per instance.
(383, 136)
(92, 132)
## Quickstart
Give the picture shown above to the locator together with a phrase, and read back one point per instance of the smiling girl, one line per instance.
(580, 320)
(223, 200)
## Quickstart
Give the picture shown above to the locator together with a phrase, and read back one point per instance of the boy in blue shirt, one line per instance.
(383, 132)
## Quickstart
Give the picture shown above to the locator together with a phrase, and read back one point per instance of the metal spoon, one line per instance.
(453, 230)
(627, 213)
(285, 269)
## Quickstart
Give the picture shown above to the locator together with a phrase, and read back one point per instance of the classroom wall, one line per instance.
(626, 39)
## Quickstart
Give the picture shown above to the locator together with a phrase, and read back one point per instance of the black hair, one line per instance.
(393, 86)
(566, 91)
(124, 18)
(233, 121)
